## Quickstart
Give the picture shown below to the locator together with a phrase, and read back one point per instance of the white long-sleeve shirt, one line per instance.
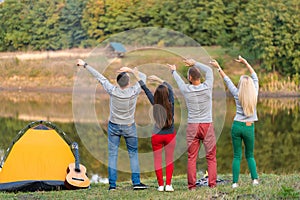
(198, 98)
(240, 115)
(122, 101)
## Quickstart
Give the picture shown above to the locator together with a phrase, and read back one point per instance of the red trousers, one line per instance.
(168, 142)
(195, 133)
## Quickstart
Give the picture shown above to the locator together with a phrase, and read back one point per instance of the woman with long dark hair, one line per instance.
(245, 96)
(164, 133)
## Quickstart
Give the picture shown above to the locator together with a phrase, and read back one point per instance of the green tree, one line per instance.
(232, 9)
(201, 20)
(2, 29)
(121, 15)
(72, 33)
(91, 19)
(173, 15)
(45, 30)
(14, 29)
(104, 18)
(270, 32)
(210, 22)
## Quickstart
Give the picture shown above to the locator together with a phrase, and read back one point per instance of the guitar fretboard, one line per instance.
(77, 166)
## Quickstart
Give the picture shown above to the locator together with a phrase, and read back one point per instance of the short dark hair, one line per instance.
(194, 73)
(123, 79)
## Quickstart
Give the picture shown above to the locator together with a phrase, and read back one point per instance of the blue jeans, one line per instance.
(115, 131)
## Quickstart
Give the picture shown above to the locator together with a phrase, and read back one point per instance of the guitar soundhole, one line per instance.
(77, 170)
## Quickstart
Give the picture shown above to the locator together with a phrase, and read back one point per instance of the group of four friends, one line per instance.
(200, 129)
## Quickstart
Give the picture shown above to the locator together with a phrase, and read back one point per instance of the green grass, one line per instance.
(271, 187)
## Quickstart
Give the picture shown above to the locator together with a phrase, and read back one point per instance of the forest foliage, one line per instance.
(267, 31)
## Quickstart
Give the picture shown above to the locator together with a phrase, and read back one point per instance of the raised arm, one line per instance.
(138, 75)
(147, 92)
(251, 70)
(176, 76)
(209, 77)
(245, 62)
(170, 89)
(145, 88)
(103, 80)
(232, 88)
(215, 64)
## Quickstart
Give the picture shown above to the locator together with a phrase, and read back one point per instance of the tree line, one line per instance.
(268, 31)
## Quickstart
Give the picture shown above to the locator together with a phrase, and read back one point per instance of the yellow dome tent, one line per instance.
(37, 159)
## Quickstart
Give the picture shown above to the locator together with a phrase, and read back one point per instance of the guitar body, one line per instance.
(76, 177)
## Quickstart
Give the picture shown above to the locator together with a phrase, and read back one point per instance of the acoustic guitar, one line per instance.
(76, 177)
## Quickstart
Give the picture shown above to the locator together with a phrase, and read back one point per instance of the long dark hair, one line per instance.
(162, 112)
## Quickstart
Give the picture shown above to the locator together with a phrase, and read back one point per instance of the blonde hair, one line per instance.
(247, 95)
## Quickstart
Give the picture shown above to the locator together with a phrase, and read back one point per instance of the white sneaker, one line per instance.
(169, 188)
(255, 182)
(160, 188)
(235, 185)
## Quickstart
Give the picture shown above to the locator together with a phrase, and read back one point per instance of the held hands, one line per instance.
(189, 62)
(125, 69)
(135, 72)
(154, 78)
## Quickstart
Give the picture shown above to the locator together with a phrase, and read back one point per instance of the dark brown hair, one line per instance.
(162, 112)
(194, 73)
(123, 79)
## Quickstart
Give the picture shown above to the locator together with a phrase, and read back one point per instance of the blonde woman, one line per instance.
(245, 96)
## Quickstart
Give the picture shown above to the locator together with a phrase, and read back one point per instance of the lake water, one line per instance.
(277, 139)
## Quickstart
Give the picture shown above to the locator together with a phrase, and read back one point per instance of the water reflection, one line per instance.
(277, 144)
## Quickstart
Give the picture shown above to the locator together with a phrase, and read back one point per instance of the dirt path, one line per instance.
(37, 55)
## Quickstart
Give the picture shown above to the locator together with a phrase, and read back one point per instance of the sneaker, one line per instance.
(255, 182)
(140, 186)
(235, 185)
(111, 188)
(169, 188)
(160, 188)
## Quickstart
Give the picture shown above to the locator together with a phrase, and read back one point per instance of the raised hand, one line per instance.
(171, 67)
(244, 61)
(135, 72)
(214, 63)
(154, 78)
(189, 62)
(125, 69)
(80, 62)
(241, 60)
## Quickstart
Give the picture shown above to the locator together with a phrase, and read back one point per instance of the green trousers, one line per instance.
(241, 132)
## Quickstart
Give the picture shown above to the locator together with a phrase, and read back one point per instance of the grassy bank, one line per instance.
(271, 187)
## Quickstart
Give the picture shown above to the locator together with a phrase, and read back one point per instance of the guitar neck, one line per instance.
(77, 166)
